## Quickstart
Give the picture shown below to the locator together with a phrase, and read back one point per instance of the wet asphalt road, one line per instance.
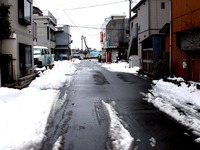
(83, 123)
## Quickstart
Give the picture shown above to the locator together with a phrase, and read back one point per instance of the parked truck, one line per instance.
(42, 56)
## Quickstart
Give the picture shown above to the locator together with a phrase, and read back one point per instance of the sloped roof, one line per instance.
(137, 5)
(165, 28)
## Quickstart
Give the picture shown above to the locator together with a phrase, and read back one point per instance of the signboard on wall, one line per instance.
(190, 40)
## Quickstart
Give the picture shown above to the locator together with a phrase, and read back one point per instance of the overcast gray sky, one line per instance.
(84, 13)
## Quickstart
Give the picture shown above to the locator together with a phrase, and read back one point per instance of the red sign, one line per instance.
(101, 36)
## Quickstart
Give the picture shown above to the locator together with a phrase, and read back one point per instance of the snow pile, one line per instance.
(57, 145)
(120, 137)
(23, 121)
(180, 102)
(56, 77)
(120, 67)
(24, 113)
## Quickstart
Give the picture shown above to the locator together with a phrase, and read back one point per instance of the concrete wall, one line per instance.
(143, 24)
(115, 31)
(42, 31)
(158, 16)
(22, 34)
(114, 55)
(10, 46)
(134, 27)
(63, 37)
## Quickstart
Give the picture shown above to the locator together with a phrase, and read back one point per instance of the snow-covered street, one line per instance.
(24, 113)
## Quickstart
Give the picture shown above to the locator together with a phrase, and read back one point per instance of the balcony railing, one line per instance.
(50, 16)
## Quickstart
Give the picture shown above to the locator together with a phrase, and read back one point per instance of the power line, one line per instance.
(100, 28)
(90, 27)
(74, 25)
(95, 5)
(84, 25)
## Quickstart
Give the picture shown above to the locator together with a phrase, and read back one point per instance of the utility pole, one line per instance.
(130, 1)
(82, 42)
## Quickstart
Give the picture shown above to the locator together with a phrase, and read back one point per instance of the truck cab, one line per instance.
(42, 56)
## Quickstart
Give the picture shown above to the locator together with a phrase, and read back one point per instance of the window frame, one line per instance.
(162, 5)
(25, 56)
(24, 12)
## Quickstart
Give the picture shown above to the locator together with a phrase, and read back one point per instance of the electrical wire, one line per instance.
(74, 25)
(100, 28)
(95, 5)
(88, 27)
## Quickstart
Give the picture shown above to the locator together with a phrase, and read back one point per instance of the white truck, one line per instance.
(42, 56)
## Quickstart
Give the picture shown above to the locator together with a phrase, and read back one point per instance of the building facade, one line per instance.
(185, 37)
(63, 42)
(46, 28)
(17, 52)
(149, 17)
(132, 54)
(114, 38)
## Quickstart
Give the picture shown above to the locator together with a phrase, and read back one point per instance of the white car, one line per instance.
(42, 56)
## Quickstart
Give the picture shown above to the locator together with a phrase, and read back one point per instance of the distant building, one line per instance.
(63, 42)
(46, 28)
(114, 38)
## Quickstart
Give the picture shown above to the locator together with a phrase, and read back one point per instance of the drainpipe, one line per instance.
(149, 18)
(0, 75)
(130, 1)
(170, 39)
(0, 62)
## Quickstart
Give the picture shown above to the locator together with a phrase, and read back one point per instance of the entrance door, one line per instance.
(6, 68)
